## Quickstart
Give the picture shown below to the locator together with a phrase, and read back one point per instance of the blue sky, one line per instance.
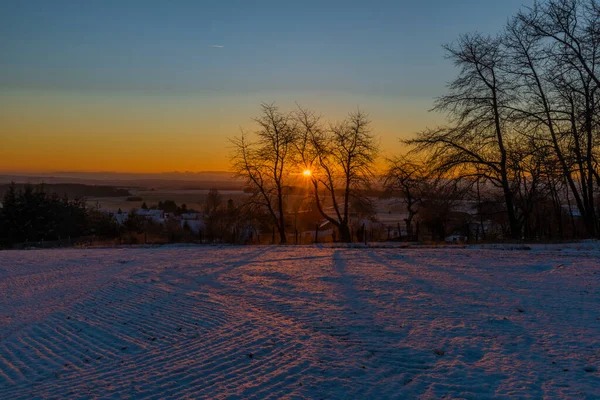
(160, 55)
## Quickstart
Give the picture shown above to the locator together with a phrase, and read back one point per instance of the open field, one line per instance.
(300, 322)
(193, 199)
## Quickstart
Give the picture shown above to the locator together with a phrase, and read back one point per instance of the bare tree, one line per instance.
(474, 144)
(571, 28)
(524, 106)
(554, 51)
(408, 177)
(264, 162)
(341, 158)
(441, 197)
(213, 215)
(526, 165)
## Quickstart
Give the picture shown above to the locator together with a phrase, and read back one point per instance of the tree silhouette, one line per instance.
(341, 158)
(475, 143)
(409, 178)
(263, 160)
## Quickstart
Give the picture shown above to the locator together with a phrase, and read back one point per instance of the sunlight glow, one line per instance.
(307, 172)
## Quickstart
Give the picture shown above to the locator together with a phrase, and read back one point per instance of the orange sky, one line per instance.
(48, 132)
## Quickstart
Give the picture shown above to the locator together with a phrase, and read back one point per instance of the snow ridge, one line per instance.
(309, 322)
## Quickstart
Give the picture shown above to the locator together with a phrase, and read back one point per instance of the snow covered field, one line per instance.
(300, 322)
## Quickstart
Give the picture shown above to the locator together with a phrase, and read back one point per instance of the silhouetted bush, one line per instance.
(32, 214)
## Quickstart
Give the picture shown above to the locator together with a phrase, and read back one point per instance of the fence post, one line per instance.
(317, 233)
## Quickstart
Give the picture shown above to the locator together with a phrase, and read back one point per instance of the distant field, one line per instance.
(111, 190)
(300, 322)
(191, 198)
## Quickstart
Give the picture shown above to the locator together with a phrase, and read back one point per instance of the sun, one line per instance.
(307, 172)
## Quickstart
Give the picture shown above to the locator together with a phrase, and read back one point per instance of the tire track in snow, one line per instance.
(273, 322)
(77, 381)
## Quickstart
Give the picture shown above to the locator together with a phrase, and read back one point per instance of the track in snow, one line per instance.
(272, 322)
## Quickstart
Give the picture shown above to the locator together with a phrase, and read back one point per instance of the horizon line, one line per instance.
(24, 172)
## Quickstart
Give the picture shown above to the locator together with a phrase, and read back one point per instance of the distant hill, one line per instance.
(168, 180)
(174, 175)
(73, 190)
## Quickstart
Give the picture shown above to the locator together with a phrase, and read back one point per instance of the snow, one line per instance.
(300, 322)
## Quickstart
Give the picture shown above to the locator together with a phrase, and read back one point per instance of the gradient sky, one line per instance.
(149, 86)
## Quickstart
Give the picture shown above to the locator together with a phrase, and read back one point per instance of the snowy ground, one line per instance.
(300, 322)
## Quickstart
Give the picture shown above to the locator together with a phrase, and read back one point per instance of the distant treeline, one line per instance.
(213, 185)
(75, 190)
(32, 215)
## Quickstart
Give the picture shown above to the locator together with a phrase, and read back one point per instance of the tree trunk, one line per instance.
(409, 230)
(282, 237)
(345, 235)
